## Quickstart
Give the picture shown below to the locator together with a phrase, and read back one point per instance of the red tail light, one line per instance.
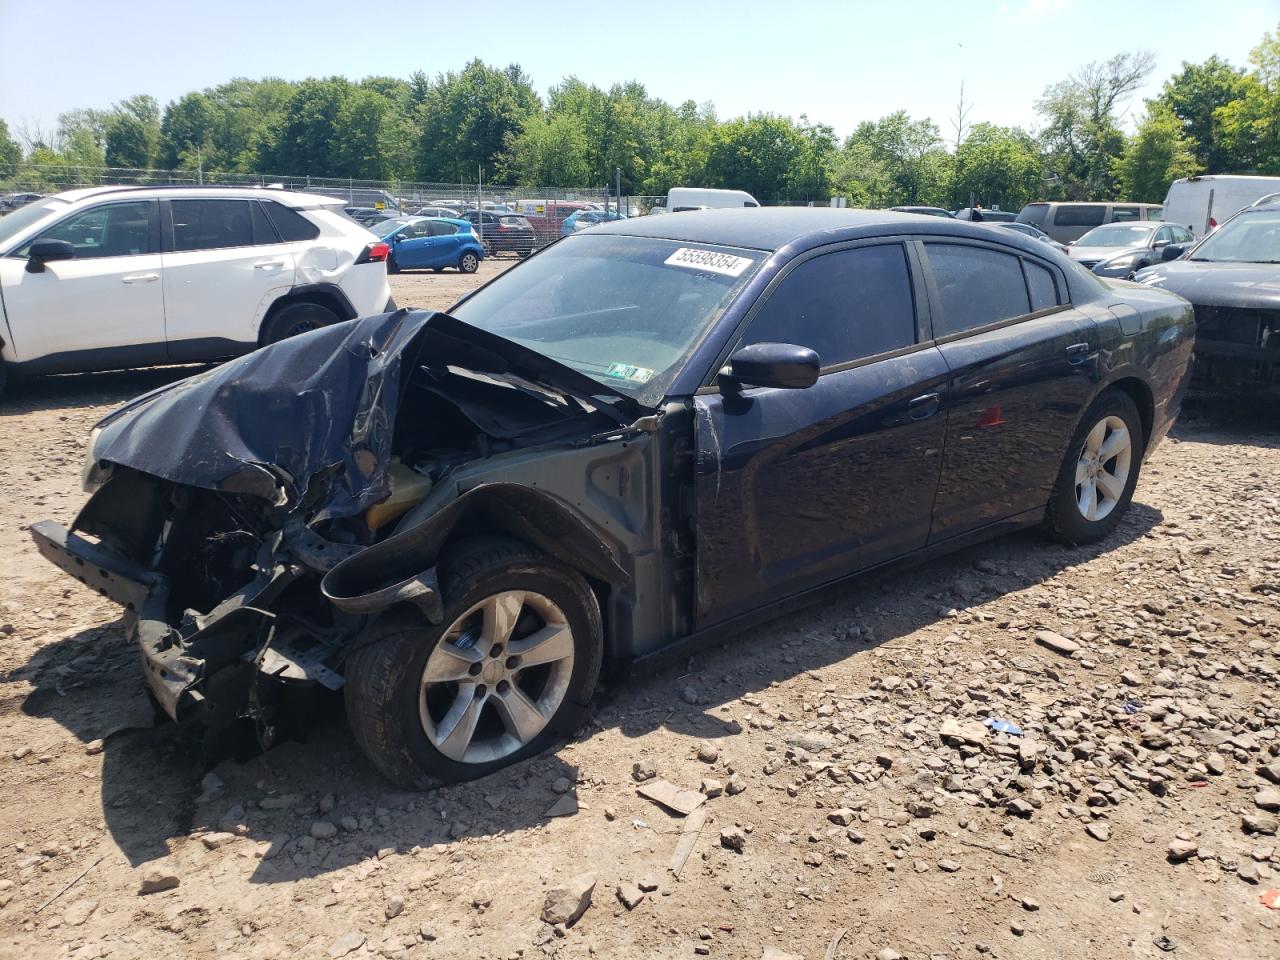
(374, 253)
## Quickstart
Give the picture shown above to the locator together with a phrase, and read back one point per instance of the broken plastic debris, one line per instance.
(639, 824)
(1003, 726)
(1166, 944)
(1270, 899)
(1132, 706)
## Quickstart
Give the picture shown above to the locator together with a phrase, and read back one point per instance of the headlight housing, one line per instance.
(93, 474)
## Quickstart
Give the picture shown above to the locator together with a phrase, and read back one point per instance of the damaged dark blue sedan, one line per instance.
(645, 437)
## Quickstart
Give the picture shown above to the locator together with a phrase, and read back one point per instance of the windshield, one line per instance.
(1117, 235)
(625, 311)
(386, 228)
(23, 217)
(1248, 238)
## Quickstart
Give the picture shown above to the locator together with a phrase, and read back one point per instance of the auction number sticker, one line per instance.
(625, 371)
(710, 260)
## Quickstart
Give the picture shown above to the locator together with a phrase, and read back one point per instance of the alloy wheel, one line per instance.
(497, 677)
(1102, 471)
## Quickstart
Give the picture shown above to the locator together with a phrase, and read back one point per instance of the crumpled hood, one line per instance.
(1218, 284)
(325, 402)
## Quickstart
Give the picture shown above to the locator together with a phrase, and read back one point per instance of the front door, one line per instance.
(796, 488)
(225, 267)
(1023, 366)
(100, 309)
(413, 246)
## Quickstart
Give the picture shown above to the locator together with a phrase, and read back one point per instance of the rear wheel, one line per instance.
(510, 668)
(1095, 484)
(468, 262)
(296, 318)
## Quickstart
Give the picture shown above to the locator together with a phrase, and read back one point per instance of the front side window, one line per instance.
(625, 311)
(1079, 215)
(211, 224)
(976, 287)
(845, 305)
(110, 230)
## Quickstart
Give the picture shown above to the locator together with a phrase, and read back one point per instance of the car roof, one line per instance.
(289, 198)
(772, 228)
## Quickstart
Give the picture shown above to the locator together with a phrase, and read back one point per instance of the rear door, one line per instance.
(445, 244)
(1023, 364)
(224, 265)
(105, 306)
(796, 488)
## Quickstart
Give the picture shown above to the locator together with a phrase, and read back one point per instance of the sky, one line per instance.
(838, 62)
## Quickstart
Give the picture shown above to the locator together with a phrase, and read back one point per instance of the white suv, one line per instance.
(112, 277)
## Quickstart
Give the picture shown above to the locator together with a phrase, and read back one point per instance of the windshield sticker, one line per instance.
(710, 260)
(625, 371)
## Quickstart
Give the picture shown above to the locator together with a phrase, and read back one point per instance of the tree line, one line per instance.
(1210, 117)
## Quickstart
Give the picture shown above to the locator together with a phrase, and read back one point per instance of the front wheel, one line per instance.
(393, 266)
(468, 262)
(511, 667)
(1096, 481)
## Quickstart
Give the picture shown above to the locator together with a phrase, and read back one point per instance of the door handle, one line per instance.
(1077, 353)
(921, 408)
(140, 277)
(268, 264)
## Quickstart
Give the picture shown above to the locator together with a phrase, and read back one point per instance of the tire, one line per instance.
(294, 319)
(468, 262)
(1067, 518)
(401, 720)
(4, 376)
(392, 265)
(437, 269)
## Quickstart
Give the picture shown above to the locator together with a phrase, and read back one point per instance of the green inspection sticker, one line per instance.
(626, 371)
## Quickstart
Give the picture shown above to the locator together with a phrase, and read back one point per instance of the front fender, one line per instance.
(400, 568)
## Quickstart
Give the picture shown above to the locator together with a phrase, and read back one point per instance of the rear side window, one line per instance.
(1079, 215)
(1042, 286)
(263, 232)
(1124, 214)
(438, 229)
(290, 224)
(845, 305)
(976, 286)
(211, 224)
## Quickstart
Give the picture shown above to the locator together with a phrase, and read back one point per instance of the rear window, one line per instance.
(290, 224)
(1033, 213)
(1079, 215)
(211, 224)
(976, 286)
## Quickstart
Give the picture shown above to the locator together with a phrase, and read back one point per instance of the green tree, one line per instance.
(904, 160)
(1082, 136)
(469, 119)
(996, 166)
(1250, 125)
(133, 133)
(1159, 153)
(754, 153)
(551, 152)
(309, 138)
(1194, 95)
(10, 152)
(360, 137)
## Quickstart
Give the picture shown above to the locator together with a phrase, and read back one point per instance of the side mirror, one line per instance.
(44, 251)
(782, 365)
(1173, 251)
(1160, 243)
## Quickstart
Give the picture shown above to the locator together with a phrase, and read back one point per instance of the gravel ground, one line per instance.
(857, 804)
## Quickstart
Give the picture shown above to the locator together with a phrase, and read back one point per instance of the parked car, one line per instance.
(449, 213)
(1028, 230)
(1201, 203)
(1120, 250)
(649, 436)
(368, 216)
(1070, 220)
(112, 277)
(432, 243)
(1232, 278)
(12, 201)
(927, 211)
(983, 215)
(502, 232)
(683, 199)
(581, 219)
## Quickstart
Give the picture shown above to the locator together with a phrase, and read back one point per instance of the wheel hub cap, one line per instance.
(1102, 471)
(496, 677)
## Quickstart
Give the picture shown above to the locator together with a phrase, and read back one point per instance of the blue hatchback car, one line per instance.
(430, 243)
(587, 218)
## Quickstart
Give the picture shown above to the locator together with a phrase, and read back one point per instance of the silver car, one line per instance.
(1119, 250)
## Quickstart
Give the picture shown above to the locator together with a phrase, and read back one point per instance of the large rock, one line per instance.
(1268, 798)
(566, 903)
(1056, 642)
(953, 730)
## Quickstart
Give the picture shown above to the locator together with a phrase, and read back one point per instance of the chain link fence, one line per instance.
(544, 208)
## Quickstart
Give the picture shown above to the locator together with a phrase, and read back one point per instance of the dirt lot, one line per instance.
(865, 801)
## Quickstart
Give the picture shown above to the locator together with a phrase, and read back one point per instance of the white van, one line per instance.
(701, 198)
(1201, 203)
